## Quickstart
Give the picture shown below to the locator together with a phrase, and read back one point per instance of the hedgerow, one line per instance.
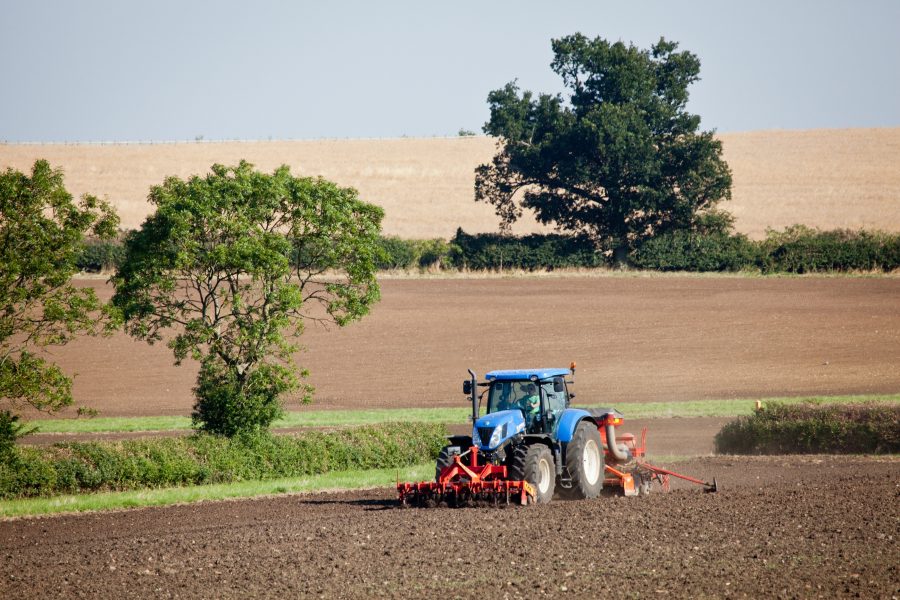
(800, 249)
(797, 249)
(100, 255)
(488, 251)
(780, 428)
(398, 253)
(75, 467)
(689, 251)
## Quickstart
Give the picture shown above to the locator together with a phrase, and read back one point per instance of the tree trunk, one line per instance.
(620, 256)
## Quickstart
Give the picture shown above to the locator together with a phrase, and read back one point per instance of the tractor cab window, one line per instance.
(507, 395)
(555, 393)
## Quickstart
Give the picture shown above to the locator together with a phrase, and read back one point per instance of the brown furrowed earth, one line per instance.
(788, 527)
(668, 338)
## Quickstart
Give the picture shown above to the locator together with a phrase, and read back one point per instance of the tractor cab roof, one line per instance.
(520, 374)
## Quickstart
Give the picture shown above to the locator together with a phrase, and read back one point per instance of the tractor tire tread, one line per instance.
(582, 488)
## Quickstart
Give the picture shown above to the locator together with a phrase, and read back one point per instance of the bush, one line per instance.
(397, 253)
(205, 459)
(812, 428)
(488, 251)
(229, 403)
(689, 251)
(100, 255)
(10, 431)
(800, 249)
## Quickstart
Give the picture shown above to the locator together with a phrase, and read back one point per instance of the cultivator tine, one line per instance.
(465, 493)
(663, 475)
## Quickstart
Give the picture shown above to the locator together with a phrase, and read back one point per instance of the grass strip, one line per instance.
(344, 418)
(344, 480)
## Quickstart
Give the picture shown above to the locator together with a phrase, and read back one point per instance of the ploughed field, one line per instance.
(786, 526)
(666, 338)
(800, 526)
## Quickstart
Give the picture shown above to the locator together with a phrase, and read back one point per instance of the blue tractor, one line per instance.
(529, 445)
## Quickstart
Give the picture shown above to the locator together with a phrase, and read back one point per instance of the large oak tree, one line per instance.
(619, 159)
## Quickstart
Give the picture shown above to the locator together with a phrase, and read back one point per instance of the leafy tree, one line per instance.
(620, 159)
(41, 232)
(235, 263)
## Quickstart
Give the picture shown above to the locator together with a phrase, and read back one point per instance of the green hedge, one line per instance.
(811, 428)
(75, 467)
(688, 251)
(488, 251)
(99, 255)
(397, 253)
(797, 249)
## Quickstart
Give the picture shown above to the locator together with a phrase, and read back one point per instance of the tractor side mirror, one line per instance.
(572, 395)
(467, 387)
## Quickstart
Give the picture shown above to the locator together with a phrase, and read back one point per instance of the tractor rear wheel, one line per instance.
(539, 471)
(584, 461)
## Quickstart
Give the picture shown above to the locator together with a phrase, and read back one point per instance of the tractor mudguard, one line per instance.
(568, 421)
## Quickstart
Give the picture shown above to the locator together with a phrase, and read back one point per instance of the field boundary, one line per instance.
(346, 418)
(110, 501)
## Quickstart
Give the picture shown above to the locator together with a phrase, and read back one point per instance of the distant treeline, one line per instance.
(797, 249)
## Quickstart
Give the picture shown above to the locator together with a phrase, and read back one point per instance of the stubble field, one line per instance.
(838, 178)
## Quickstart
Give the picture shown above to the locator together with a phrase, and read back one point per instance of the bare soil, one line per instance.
(636, 339)
(786, 527)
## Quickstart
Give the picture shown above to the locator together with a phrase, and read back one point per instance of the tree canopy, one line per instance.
(41, 233)
(619, 159)
(234, 264)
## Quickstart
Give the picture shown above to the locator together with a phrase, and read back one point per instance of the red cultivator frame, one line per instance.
(460, 484)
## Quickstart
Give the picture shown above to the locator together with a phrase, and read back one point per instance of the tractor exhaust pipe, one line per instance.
(620, 453)
(474, 380)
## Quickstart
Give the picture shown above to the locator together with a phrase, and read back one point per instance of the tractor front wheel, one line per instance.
(584, 461)
(539, 471)
(444, 460)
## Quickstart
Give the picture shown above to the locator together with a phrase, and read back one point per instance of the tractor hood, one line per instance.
(492, 430)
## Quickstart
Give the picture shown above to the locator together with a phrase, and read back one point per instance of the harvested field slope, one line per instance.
(782, 527)
(635, 339)
(823, 178)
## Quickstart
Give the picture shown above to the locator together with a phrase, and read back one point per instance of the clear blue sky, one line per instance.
(174, 70)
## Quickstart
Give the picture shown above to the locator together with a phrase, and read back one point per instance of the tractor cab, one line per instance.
(540, 395)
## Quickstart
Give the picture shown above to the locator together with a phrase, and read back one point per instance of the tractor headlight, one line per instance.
(497, 436)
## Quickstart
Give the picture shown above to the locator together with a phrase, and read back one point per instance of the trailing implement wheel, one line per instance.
(540, 472)
(584, 461)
